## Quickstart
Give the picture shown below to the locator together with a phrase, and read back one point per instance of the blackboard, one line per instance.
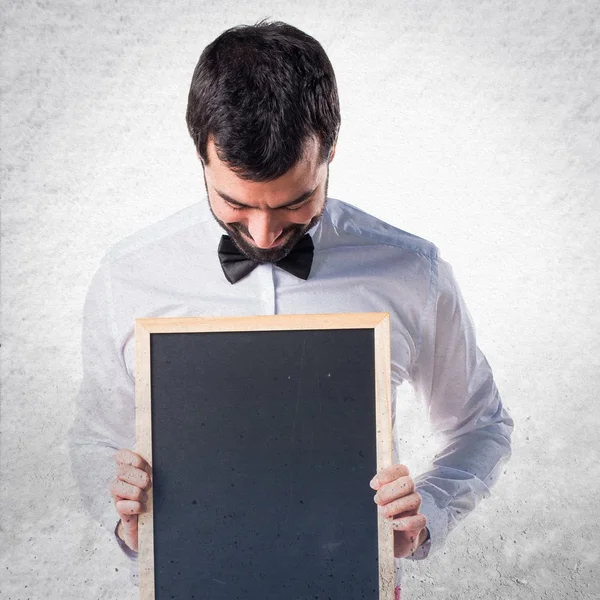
(263, 434)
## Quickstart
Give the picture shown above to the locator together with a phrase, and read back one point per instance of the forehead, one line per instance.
(304, 175)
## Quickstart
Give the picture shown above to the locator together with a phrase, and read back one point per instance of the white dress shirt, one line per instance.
(361, 264)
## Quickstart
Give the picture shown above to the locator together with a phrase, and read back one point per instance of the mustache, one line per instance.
(243, 229)
(238, 227)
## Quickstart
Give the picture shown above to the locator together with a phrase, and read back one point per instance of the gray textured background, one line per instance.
(472, 124)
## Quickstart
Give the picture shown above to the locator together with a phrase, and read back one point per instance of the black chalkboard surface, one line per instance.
(263, 436)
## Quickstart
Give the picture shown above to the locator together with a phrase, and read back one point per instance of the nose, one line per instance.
(264, 228)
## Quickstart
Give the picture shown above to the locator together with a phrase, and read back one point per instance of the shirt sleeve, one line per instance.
(105, 412)
(453, 379)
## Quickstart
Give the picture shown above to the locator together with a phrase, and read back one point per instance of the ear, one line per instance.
(332, 151)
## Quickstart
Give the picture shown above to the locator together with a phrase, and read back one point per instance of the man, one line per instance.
(263, 113)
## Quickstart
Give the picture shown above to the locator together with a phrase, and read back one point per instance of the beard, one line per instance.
(293, 234)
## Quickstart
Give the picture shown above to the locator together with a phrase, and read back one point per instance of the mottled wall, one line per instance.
(472, 124)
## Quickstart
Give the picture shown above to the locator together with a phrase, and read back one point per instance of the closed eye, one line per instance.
(234, 207)
(286, 208)
(295, 207)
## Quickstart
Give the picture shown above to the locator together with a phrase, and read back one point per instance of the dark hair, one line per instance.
(261, 91)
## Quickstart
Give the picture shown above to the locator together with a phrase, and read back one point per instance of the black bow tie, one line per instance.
(236, 266)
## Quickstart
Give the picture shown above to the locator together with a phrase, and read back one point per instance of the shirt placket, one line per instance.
(266, 283)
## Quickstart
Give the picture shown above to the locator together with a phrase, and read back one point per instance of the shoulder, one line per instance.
(160, 235)
(361, 228)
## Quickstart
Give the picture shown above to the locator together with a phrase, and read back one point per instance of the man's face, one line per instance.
(265, 220)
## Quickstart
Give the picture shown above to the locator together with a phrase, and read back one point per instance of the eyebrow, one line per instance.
(297, 200)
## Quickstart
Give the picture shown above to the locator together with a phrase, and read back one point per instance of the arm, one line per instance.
(453, 379)
(105, 417)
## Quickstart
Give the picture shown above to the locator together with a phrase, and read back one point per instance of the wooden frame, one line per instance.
(379, 322)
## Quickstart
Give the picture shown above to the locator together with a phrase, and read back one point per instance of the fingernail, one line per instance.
(374, 482)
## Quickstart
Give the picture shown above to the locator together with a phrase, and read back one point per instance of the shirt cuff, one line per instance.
(437, 526)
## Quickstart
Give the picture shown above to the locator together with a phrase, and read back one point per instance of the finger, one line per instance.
(396, 508)
(128, 457)
(409, 524)
(128, 508)
(121, 490)
(396, 489)
(134, 476)
(387, 475)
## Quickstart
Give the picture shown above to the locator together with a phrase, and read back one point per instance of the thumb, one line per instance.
(129, 530)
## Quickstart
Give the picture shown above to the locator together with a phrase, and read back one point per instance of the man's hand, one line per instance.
(397, 501)
(128, 491)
